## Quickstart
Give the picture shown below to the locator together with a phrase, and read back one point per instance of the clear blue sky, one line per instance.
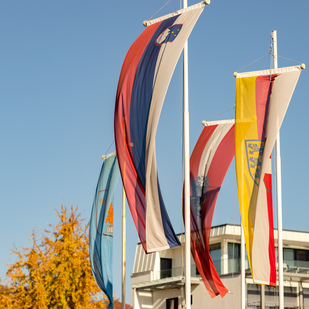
(59, 66)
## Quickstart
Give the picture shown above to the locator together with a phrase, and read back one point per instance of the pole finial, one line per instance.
(303, 66)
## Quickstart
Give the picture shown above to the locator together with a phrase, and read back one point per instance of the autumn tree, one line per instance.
(55, 271)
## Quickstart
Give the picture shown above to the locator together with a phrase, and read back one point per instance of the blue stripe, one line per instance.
(141, 99)
(170, 235)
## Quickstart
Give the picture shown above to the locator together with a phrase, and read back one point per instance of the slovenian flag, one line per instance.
(209, 162)
(145, 75)
(262, 99)
(101, 227)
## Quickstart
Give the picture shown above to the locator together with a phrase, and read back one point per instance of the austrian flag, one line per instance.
(209, 162)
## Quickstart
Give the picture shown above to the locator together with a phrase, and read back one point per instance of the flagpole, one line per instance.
(243, 268)
(123, 299)
(279, 190)
(187, 173)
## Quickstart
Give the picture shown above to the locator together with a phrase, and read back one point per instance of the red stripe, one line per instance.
(263, 86)
(271, 241)
(134, 191)
(261, 98)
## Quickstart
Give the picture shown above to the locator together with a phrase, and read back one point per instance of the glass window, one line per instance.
(215, 253)
(166, 268)
(233, 258)
(172, 303)
(233, 250)
(302, 255)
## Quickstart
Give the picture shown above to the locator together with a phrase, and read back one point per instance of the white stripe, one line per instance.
(282, 91)
(155, 236)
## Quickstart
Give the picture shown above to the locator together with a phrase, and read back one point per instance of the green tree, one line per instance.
(55, 271)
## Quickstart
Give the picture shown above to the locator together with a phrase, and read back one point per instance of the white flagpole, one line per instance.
(187, 173)
(243, 268)
(279, 191)
(123, 299)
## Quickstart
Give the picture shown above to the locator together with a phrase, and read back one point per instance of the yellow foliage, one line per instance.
(55, 272)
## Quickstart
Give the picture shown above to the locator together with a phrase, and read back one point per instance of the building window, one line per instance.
(234, 257)
(166, 268)
(197, 273)
(296, 259)
(215, 253)
(172, 303)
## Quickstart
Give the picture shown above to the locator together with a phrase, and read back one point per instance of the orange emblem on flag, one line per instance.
(110, 215)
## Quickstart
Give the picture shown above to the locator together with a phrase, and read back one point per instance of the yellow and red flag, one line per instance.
(262, 98)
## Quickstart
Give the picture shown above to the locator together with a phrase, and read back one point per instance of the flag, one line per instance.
(143, 82)
(209, 162)
(101, 227)
(262, 98)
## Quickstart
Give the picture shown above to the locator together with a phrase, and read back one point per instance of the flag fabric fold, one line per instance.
(145, 75)
(209, 162)
(101, 227)
(262, 98)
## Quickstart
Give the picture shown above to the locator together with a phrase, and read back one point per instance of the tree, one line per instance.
(55, 271)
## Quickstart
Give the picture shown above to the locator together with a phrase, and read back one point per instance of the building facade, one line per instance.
(157, 281)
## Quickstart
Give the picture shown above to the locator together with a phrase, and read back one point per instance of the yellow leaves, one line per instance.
(55, 271)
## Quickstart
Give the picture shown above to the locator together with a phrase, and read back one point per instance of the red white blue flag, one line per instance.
(145, 75)
(209, 162)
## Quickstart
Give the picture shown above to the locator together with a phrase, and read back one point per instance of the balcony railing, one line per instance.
(230, 266)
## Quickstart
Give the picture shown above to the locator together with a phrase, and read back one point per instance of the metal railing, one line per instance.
(230, 266)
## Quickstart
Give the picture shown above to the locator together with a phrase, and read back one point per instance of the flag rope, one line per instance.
(109, 147)
(159, 10)
(221, 113)
(252, 63)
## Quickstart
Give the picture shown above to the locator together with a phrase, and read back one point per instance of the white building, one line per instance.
(157, 281)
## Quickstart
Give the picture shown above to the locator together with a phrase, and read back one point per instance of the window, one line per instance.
(172, 303)
(296, 258)
(215, 253)
(234, 257)
(166, 268)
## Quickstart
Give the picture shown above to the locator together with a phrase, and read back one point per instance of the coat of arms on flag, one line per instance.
(254, 151)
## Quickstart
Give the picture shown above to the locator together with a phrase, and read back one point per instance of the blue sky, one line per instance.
(59, 68)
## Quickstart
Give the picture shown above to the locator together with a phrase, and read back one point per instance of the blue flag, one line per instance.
(101, 227)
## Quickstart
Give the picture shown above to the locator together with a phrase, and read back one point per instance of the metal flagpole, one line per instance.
(279, 190)
(187, 173)
(243, 268)
(123, 299)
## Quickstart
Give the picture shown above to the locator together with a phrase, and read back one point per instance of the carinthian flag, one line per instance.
(101, 227)
(262, 99)
(209, 162)
(143, 82)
